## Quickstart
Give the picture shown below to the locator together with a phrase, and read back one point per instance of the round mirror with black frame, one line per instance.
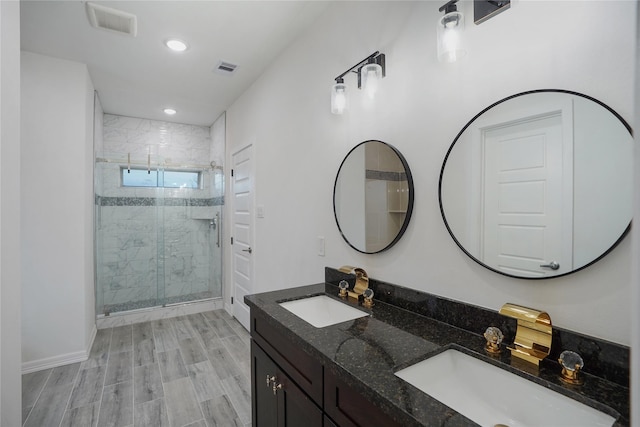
(373, 197)
(539, 184)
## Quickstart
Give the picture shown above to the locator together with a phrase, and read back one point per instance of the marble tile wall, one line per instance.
(155, 245)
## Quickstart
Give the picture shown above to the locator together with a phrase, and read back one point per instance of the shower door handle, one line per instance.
(247, 250)
(218, 224)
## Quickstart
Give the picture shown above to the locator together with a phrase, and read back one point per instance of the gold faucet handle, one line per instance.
(344, 287)
(571, 363)
(368, 298)
(494, 337)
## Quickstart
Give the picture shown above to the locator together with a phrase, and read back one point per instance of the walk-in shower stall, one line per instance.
(159, 197)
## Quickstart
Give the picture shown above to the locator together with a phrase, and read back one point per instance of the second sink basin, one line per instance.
(321, 310)
(492, 396)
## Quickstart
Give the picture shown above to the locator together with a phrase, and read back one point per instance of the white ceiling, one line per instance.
(139, 77)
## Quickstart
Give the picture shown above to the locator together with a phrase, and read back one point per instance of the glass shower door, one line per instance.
(157, 234)
(157, 216)
(128, 225)
(190, 235)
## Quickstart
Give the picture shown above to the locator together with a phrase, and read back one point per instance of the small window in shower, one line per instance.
(167, 179)
(180, 179)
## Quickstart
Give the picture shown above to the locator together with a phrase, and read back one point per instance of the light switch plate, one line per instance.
(260, 211)
(320, 245)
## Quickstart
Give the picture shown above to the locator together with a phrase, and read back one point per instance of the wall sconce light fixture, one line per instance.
(485, 9)
(449, 31)
(370, 71)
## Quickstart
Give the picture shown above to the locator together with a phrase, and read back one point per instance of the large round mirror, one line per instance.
(539, 184)
(373, 196)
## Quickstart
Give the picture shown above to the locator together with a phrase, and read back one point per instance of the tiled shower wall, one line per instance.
(156, 245)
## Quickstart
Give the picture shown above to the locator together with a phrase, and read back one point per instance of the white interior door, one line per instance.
(528, 200)
(242, 232)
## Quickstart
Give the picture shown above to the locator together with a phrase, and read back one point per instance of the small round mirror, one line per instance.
(373, 197)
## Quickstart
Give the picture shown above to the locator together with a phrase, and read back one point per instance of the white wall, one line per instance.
(58, 312)
(10, 380)
(421, 106)
(350, 198)
(635, 234)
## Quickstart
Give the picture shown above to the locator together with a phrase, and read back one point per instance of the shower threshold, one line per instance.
(157, 312)
(110, 309)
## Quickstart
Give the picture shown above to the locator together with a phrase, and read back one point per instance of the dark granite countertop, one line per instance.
(366, 352)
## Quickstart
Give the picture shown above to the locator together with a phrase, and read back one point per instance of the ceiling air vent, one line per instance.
(226, 68)
(113, 20)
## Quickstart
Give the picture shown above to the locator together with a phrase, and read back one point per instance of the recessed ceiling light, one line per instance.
(170, 111)
(176, 45)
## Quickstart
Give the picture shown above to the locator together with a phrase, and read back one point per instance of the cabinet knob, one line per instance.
(276, 387)
(270, 379)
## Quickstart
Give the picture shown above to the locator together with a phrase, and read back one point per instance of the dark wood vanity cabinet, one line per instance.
(277, 401)
(293, 395)
(263, 401)
(306, 394)
(349, 408)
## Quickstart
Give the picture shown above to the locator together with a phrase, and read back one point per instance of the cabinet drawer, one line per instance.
(348, 408)
(300, 366)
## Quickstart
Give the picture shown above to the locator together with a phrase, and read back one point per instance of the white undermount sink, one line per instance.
(492, 396)
(321, 310)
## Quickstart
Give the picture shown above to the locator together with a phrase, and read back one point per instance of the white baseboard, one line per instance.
(94, 331)
(54, 362)
(60, 360)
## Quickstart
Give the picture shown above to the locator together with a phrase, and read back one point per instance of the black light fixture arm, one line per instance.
(449, 7)
(339, 79)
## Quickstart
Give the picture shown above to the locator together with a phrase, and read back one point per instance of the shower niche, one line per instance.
(158, 215)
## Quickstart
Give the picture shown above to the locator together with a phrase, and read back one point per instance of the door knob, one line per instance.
(247, 250)
(552, 265)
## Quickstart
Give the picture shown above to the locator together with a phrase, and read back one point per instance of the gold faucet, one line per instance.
(362, 281)
(534, 333)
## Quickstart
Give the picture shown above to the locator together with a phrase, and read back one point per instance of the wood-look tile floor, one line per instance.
(186, 371)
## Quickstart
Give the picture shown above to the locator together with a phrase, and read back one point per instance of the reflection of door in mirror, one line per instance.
(527, 195)
(386, 193)
(535, 168)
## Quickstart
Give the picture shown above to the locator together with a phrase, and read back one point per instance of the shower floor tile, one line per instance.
(204, 379)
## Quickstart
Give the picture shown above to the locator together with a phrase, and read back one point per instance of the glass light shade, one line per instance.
(339, 98)
(371, 74)
(450, 37)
